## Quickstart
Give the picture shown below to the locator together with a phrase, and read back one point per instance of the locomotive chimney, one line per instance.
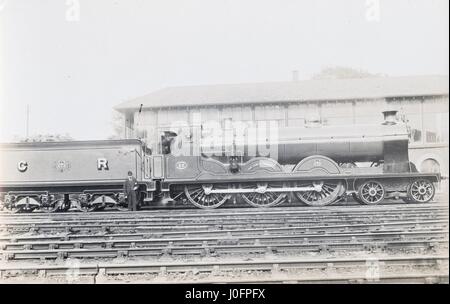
(390, 117)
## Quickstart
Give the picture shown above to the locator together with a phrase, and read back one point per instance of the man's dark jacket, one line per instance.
(129, 185)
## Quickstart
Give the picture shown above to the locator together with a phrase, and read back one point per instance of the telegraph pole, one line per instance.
(28, 119)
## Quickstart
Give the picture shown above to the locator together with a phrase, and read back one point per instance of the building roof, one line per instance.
(292, 91)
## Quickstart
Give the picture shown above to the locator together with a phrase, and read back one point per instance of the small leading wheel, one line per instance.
(420, 191)
(371, 192)
(262, 198)
(202, 197)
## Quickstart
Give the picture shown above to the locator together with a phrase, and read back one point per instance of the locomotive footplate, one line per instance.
(279, 177)
(313, 190)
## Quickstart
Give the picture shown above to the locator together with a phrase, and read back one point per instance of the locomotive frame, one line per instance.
(341, 183)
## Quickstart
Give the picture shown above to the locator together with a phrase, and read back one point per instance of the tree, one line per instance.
(117, 124)
(45, 138)
(340, 72)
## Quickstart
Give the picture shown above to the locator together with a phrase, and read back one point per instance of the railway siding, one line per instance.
(198, 245)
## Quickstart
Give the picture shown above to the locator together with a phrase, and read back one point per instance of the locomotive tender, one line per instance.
(317, 165)
(73, 175)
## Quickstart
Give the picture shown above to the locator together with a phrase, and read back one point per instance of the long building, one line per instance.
(422, 100)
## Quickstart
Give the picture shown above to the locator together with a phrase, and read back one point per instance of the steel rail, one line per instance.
(214, 267)
(224, 224)
(253, 211)
(223, 220)
(218, 216)
(169, 217)
(368, 227)
(230, 235)
(208, 213)
(158, 230)
(225, 248)
(417, 278)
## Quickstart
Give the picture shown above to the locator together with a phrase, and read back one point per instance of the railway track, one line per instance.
(350, 270)
(217, 246)
(199, 234)
(233, 211)
(172, 217)
(153, 221)
(214, 239)
(187, 227)
(183, 231)
(416, 278)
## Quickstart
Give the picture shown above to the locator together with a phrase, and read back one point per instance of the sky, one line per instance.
(72, 61)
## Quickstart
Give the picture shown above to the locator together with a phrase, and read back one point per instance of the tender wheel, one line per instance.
(49, 208)
(325, 193)
(25, 209)
(52, 206)
(420, 191)
(371, 193)
(86, 208)
(77, 206)
(261, 198)
(200, 196)
(96, 208)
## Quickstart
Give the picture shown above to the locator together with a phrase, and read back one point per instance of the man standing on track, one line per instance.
(129, 188)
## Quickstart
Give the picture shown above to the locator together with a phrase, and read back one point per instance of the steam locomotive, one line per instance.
(315, 165)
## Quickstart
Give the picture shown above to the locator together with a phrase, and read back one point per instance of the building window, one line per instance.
(406, 106)
(430, 166)
(269, 112)
(435, 120)
(298, 113)
(236, 113)
(179, 115)
(337, 113)
(435, 130)
(296, 122)
(336, 121)
(415, 123)
(369, 111)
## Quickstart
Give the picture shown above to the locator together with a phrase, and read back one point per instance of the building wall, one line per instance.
(428, 118)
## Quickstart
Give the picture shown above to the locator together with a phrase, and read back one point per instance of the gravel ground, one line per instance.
(198, 277)
(195, 276)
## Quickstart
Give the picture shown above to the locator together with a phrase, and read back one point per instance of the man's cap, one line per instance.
(130, 173)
